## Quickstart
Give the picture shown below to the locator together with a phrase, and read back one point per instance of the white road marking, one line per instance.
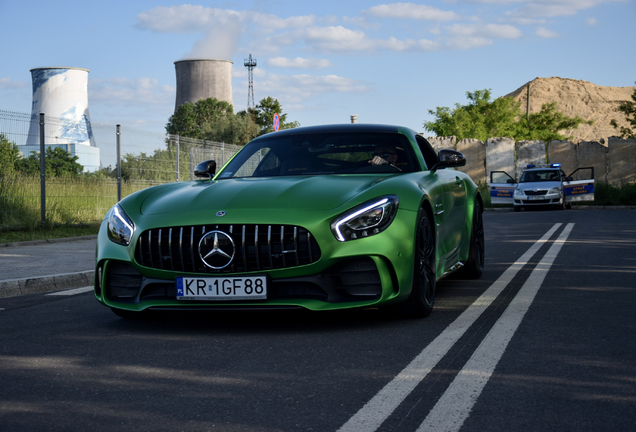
(453, 408)
(73, 291)
(380, 407)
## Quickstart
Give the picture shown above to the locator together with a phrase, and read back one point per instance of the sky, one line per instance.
(322, 60)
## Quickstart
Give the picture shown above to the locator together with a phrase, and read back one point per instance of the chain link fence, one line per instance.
(117, 161)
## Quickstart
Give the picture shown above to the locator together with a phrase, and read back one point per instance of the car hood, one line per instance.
(308, 193)
(542, 185)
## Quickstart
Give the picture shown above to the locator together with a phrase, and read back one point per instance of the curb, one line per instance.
(55, 240)
(34, 285)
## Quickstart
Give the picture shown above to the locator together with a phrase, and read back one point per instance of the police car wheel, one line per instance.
(517, 208)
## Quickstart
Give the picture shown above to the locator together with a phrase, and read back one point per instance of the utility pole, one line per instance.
(250, 64)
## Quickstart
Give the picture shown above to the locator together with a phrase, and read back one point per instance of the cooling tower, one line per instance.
(203, 79)
(61, 93)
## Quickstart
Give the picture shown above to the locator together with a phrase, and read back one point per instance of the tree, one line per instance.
(545, 124)
(264, 116)
(214, 120)
(483, 119)
(9, 155)
(57, 162)
(209, 119)
(629, 109)
(480, 119)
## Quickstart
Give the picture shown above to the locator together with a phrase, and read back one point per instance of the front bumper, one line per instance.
(350, 282)
(536, 200)
(359, 273)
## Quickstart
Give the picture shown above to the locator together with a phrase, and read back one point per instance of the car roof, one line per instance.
(343, 127)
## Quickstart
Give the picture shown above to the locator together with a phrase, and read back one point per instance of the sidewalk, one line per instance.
(47, 265)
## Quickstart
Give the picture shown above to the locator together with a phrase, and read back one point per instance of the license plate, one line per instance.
(222, 288)
(536, 197)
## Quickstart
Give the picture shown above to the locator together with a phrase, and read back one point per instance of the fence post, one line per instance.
(177, 149)
(118, 133)
(42, 172)
(191, 163)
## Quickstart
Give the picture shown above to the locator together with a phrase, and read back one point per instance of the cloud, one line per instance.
(341, 40)
(591, 21)
(298, 89)
(137, 92)
(553, 8)
(336, 38)
(498, 31)
(545, 33)
(7, 83)
(411, 11)
(222, 28)
(298, 63)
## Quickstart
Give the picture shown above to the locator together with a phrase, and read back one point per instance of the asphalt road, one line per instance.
(544, 341)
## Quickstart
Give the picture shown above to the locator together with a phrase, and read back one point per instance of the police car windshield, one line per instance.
(539, 176)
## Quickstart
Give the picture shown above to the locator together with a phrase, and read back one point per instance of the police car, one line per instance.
(542, 185)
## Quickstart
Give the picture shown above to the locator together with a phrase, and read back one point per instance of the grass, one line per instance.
(47, 232)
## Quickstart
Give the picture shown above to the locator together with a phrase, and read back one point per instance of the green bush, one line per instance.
(607, 194)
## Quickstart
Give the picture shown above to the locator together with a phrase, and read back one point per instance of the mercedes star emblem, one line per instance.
(216, 249)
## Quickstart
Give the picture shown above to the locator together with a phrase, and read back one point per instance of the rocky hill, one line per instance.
(578, 98)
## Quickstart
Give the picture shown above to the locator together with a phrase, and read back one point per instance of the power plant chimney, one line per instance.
(203, 79)
(61, 93)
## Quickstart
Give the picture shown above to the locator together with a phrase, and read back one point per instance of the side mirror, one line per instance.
(449, 159)
(205, 169)
(511, 181)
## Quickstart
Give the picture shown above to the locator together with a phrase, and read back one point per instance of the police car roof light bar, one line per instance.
(554, 165)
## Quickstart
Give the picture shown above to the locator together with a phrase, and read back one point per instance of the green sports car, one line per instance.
(320, 218)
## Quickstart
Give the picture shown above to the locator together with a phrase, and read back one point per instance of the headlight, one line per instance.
(519, 192)
(554, 191)
(120, 227)
(367, 219)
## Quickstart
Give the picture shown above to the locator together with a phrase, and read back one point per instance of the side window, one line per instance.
(430, 157)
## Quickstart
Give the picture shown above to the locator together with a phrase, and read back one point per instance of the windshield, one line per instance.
(322, 153)
(539, 176)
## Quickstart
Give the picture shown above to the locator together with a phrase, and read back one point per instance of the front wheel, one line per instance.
(474, 267)
(420, 302)
(562, 203)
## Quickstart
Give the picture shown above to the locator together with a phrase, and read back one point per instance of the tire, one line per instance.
(562, 203)
(420, 302)
(474, 267)
(517, 208)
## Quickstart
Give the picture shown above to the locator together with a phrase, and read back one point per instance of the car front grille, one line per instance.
(257, 247)
(537, 192)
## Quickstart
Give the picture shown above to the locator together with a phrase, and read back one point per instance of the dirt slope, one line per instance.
(577, 97)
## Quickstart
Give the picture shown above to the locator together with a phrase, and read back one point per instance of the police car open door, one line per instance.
(579, 186)
(502, 187)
